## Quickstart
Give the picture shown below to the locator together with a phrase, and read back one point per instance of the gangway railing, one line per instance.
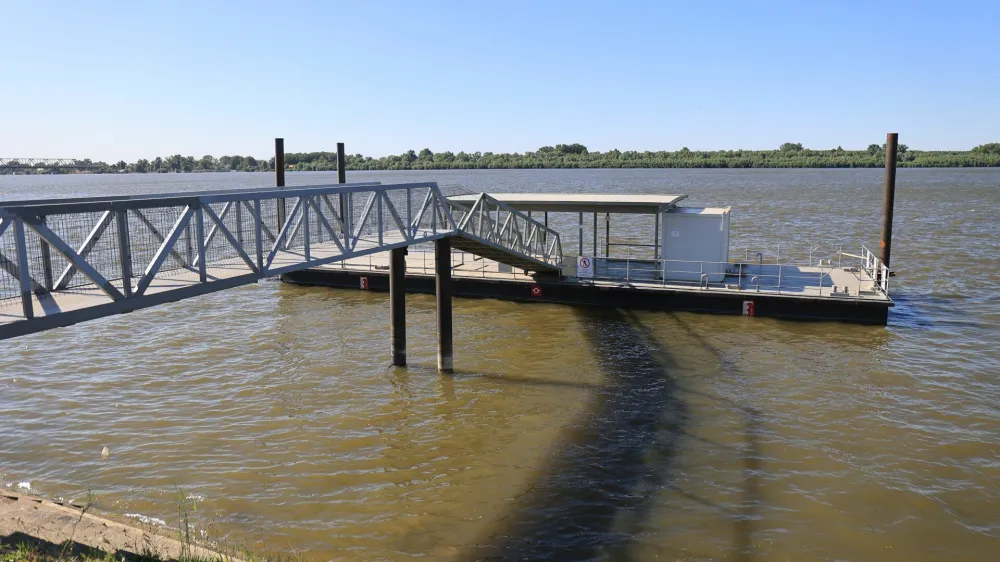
(493, 223)
(65, 261)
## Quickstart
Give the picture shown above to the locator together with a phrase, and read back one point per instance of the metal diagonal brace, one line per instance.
(255, 212)
(445, 208)
(71, 256)
(163, 251)
(336, 215)
(281, 235)
(95, 235)
(420, 214)
(211, 233)
(364, 218)
(14, 271)
(156, 234)
(295, 228)
(395, 217)
(229, 236)
(335, 236)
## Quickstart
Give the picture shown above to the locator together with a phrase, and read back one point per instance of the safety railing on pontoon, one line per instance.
(870, 276)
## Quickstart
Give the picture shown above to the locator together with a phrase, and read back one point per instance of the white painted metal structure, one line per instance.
(695, 234)
(70, 260)
(581, 202)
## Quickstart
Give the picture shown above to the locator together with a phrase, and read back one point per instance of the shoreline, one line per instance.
(936, 166)
(47, 525)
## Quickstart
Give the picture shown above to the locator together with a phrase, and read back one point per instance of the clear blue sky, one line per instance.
(126, 80)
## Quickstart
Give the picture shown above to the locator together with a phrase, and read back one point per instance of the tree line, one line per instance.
(178, 163)
(788, 155)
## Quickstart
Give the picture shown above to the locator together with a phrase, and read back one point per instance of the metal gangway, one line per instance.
(64, 261)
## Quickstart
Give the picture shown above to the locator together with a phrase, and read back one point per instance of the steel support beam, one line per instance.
(397, 305)
(279, 177)
(27, 307)
(595, 234)
(889, 196)
(125, 251)
(442, 285)
(607, 235)
(46, 262)
(258, 232)
(656, 235)
(199, 221)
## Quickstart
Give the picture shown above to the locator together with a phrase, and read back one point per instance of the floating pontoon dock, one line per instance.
(689, 266)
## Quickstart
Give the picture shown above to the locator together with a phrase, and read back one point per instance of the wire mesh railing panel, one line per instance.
(148, 229)
(493, 222)
(268, 220)
(10, 285)
(93, 236)
(117, 247)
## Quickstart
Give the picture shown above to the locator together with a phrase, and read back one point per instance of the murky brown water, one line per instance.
(567, 433)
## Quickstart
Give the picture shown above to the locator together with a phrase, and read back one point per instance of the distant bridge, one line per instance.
(14, 164)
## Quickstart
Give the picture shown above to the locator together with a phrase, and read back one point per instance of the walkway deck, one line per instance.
(176, 246)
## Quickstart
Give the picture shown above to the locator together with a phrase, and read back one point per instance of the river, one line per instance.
(565, 433)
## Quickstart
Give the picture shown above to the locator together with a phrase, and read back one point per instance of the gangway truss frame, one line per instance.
(72, 260)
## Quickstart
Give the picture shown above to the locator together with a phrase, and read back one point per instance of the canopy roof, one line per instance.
(580, 202)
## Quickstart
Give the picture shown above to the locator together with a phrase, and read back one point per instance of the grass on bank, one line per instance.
(38, 551)
(29, 550)
(26, 548)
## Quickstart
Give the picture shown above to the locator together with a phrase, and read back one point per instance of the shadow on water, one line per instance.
(607, 467)
(923, 311)
(750, 455)
(601, 483)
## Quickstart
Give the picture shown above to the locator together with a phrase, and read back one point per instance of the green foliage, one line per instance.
(788, 155)
(178, 163)
(991, 148)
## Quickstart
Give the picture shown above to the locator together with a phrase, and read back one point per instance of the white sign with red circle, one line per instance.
(584, 267)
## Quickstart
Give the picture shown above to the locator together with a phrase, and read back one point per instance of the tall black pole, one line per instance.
(341, 164)
(345, 205)
(279, 177)
(607, 235)
(888, 202)
(442, 270)
(397, 305)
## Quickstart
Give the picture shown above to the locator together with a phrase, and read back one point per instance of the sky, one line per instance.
(126, 80)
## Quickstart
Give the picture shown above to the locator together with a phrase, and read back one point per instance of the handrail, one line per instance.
(122, 247)
(779, 278)
(501, 225)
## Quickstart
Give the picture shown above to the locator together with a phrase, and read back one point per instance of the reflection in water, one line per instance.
(609, 462)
